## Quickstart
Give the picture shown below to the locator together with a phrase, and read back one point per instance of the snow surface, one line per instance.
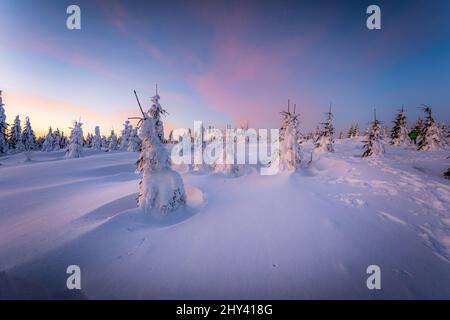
(310, 234)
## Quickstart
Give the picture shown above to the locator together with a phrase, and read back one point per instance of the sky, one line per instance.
(223, 62)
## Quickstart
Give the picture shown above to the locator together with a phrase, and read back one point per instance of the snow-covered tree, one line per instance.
(97, 140)
(39, 143)
(125, 136)
(56, 139)
(88, 141)
(28, 136)
(431, 133)
(155, 112)
(160, 187)
(134, 143)
(15, 136)
(4, 146)
(112, 141)
(48, 142)
(75, 148)
(324, 141)
(105, 142)
(444, 134)
(356, 132)
(373, 144)
(290, 151)
(350, 132)
(399, 135)
(64, 143)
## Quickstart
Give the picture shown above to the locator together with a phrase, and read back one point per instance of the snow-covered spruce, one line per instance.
(353, 132)
(75, 148)
(48, 142)
(290, 151)
(88, 141)
(56, 139)
(112, 141)
(373, 144)
(399, 135)
(28, 136)
(324, 141)
(155, 112)
(15, 136)
(125, 136)
(160, 188)
(4, 146)
(134, 143)
(97, 139)
(431, 133)
(444, 134)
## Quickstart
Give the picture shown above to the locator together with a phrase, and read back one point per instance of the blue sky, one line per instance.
(223, 61)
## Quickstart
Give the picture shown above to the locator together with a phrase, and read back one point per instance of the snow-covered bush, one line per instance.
(75, 148)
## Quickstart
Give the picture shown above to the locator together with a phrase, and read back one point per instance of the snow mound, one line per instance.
(195, 198)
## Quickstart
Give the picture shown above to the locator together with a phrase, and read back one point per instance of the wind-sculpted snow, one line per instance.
(309, 234)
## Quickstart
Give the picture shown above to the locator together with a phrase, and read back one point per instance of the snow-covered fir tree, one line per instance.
(4, 146)
(356, 132)
(56, 139)
(290, 151)
(75, 147)
(431, 133)
(350, 132)
(97, 139)
(88, 141)
(373, 144)
(134, 143)
(15, 136)
(324, 141)
(39, 142)
(444, 134)
(160, 188)
(125, 138)
(28, 136)
(399, 135)
(105, 142)
(48, 142)
(155, 112)
(112, 141)
(64, 142)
